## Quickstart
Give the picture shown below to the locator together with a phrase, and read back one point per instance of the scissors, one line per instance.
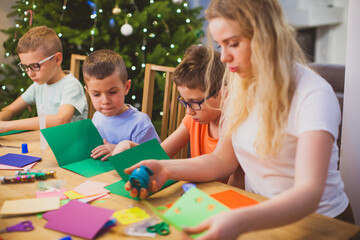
(160, 228)
(20, 227)
(8, 146)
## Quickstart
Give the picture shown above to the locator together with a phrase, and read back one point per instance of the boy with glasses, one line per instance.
(62, 96)
(201, 125)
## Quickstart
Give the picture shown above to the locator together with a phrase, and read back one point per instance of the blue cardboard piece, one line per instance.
(17, 160)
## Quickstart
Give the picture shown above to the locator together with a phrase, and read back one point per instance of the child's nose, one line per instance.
(30, 72)
(189, 111)
(105, 99)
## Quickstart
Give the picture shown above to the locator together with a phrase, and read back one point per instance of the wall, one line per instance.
(350, 150)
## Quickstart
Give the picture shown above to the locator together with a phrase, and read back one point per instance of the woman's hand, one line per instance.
(102, 150)
(157, 180)
(123, 146)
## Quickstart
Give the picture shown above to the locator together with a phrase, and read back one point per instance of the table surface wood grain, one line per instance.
(315, 226)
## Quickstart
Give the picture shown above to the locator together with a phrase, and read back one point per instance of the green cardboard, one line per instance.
(72, 144)
(192, 208)
(148, 150)
(12, 132)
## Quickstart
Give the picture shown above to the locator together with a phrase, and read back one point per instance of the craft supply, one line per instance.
(20, 227)
(29, 206)
(187, 186)
(17, 160)
(139, 178)
(24, 148)
(139, 228)
(160, 228)
(17, 179)
(39, 174)
(8, 146)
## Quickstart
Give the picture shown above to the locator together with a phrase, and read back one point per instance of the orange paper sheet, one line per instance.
(233, 199)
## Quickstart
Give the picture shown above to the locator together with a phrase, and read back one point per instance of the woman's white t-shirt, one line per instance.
(314, 107)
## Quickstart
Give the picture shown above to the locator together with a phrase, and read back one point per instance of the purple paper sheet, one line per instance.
(17, 160)
(79, 219)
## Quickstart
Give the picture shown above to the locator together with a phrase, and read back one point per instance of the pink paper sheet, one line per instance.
(89, 188)
(79, 219)
(8, 167)
(52, 194)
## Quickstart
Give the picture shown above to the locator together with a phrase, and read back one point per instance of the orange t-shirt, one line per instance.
(200, 141)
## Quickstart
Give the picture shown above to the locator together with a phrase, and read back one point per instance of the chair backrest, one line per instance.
(335, 75)
(173, 112)
(75, 69)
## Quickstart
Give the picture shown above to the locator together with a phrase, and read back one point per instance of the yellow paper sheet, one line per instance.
(29, 206)
(130, 215)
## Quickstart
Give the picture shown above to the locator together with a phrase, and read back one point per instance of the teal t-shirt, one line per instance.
(66, 91)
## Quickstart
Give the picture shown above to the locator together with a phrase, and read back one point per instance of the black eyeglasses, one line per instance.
(194, 105)
(34, 66)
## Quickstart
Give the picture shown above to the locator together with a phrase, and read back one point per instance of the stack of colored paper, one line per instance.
(12, 161)
(89, 191)
(79, 219)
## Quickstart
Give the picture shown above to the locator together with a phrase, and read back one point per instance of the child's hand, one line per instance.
(101, 150)
(227, 225)
(161, 175)
(122, 146)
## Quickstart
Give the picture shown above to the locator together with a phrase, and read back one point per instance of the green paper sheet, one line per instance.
(12, 132)
(148, 150)
(192, 208)
(72, 144)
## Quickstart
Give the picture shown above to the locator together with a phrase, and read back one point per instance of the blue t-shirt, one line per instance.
(66, 91)
(131, 125)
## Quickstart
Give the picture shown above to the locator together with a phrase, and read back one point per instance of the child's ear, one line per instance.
(58, 58)
(127, 86)
(86, 89)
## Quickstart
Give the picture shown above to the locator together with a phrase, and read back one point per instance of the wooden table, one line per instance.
(314, 226)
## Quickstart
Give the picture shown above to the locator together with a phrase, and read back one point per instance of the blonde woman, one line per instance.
(279, 124)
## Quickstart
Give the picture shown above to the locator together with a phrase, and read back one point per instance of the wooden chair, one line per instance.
(173, 112)
(75, 69)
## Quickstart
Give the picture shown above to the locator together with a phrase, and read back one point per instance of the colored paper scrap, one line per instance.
(17, 160)
(233, 199)
(73, 195)
(12, 132)
(54, 193)
(7, 167)
(94, 197)
(72, 144)
(148, 150)
(89, 188)
(192, 208)
(79, 219)
(29, 206)
(130, 215)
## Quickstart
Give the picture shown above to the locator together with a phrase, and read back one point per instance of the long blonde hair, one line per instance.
(271, 88)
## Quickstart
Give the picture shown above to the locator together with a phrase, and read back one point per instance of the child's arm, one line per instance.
(63, 116)
(14, 108)
(289, 206)
(123, 146)
(176, 141)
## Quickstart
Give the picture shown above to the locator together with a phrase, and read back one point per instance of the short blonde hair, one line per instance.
(41, 37)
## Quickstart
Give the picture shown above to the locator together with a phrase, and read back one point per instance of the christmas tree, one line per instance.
(141, 31)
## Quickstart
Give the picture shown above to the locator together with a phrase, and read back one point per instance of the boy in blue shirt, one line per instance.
(62, 96)
(107, 83)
